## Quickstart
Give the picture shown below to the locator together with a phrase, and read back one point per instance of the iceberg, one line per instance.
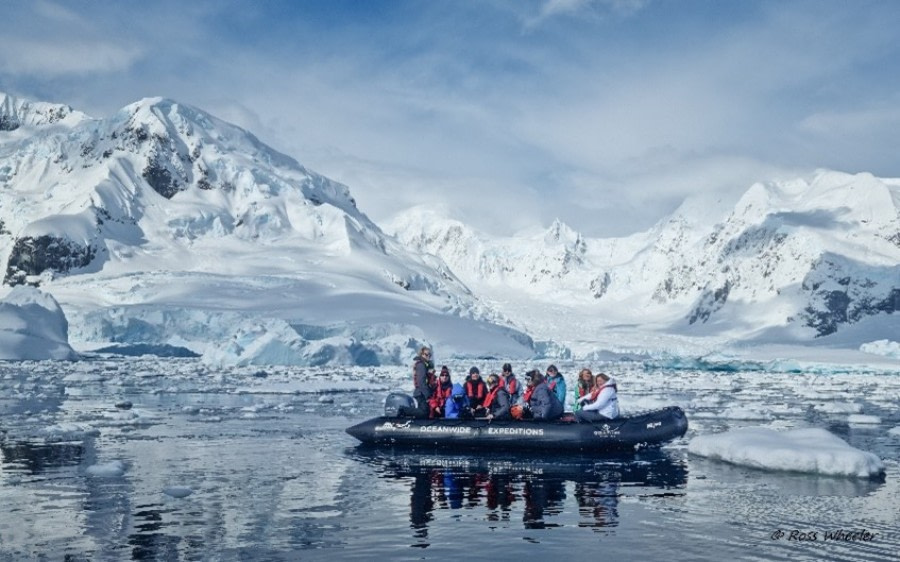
(33, 327)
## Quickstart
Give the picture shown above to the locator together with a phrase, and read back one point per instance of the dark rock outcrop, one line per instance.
(8, 123)
(711, 301)
(34, 255)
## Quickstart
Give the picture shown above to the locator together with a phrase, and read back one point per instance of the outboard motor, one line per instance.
(396, 402)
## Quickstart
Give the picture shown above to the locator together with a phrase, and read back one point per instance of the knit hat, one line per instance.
(474, 371)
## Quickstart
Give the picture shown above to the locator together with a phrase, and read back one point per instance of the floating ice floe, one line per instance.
(894, 431)
(811, 450)
(862, 419)
(112, 469)
(68, 432)
(177, 491)
(839, 408)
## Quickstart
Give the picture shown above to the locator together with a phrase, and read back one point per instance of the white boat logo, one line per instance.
(653, 425)
(394, 426)
(606, 431)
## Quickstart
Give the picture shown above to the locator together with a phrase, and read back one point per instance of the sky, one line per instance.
(506, 114)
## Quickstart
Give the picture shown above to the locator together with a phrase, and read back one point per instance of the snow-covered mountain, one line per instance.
(163, 225)
(793, 260)
(164, 228)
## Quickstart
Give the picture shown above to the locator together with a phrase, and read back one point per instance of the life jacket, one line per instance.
(490, 397)
(597, 391)
(552, 385)
(582, 391)
(441, 393)
(528, 392)
(439, 398)
(510, 384)
(475, 390)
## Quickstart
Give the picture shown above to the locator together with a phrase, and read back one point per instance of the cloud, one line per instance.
(862, 121)
(583, 8)
(46, 40)
(605, 114)
(64, 57)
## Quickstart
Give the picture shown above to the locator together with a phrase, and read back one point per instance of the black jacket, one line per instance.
(544, 403)
(499, 407)
(421, 369)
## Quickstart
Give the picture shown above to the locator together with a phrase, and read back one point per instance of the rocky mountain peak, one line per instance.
(18, 112)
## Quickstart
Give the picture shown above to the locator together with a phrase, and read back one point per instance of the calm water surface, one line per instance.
(270, 474)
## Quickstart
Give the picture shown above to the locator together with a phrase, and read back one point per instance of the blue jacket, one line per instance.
(457, 402)
(560, 388)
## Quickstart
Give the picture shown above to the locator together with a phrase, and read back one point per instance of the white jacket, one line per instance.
(607, 402)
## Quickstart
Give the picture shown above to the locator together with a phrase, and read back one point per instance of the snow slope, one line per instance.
(165, 225)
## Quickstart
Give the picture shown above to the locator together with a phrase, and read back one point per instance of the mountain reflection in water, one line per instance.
(507, 485)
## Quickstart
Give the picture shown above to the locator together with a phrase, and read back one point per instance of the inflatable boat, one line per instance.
(627, 433)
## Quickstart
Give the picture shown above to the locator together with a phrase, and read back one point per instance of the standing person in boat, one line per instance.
(476, 390)
(557, 384)
(510, 383)
(543, 403)
(457, 405)
(497, 403)
(602, 403)
(423, 383)
(584, 387)
(441, 393)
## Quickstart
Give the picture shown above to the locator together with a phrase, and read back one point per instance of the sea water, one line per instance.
(165, 459)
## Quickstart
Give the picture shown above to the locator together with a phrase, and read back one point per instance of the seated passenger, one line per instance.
(497, 402)
(602, 403)
(584, 387)
(441, 393)
(556, 382)
(475, 388)
(543, 403)
(510, 383)
(458, 404)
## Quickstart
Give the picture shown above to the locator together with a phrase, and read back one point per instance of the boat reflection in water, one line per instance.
(511, 486)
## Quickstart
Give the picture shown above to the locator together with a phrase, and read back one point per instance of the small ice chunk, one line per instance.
(894, 431)
(839, 408)
(177, 491)
(746, 413)
(124, 405)
(326, 399)
(68, 432)
(112, 469)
